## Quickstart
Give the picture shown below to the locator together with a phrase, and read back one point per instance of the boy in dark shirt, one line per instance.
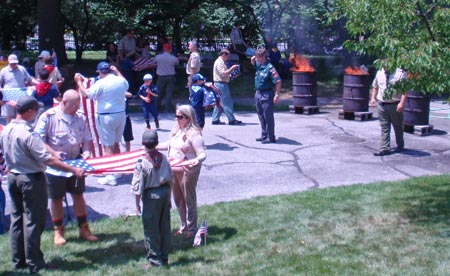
(196, 96)
(148, 93)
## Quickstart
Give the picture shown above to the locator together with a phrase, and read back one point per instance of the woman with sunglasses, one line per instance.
(186, 145)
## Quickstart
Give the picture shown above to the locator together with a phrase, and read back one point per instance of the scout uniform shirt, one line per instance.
(266, 76)
(151, 174)
(63, 132)
(24, 150)
(383, 80)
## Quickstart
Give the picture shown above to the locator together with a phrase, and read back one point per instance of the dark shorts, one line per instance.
(58, 186)
(128, 130)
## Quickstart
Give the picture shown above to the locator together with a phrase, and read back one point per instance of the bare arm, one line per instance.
(374, 96)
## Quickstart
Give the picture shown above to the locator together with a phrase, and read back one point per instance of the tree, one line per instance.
(51, 28)
(17, 20)
(413, 35)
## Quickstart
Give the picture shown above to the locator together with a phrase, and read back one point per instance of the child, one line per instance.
(152, 181)
(148, 93)
(128, 130)
(196, 96)
(45, 91)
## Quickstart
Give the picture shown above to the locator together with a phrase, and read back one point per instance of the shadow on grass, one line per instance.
(215, 235)
(121, 249)
(425, 202)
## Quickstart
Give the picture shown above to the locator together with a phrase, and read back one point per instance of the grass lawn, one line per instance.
(395, 228)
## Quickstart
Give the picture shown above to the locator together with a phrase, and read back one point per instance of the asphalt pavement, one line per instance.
(311, 152)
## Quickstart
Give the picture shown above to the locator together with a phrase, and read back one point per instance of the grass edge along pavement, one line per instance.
(388, 228)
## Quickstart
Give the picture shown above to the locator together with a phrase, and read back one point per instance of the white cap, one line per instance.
(147, 77)
(44, 54)
(13, 59)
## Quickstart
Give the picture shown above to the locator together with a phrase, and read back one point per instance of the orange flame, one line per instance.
(355, 71)
(301, 64)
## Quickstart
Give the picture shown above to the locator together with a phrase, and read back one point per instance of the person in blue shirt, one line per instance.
(196, 96)
(148, 93)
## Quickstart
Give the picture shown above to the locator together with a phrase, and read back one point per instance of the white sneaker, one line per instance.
(107, 180)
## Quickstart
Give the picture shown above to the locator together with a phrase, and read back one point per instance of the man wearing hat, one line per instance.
(165, 70)
(26, 158)
(13, 76)
(221, 77)
(109, 94)
(151, 184)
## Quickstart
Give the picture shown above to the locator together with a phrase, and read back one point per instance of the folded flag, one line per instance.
(122, 163)
(202, 232)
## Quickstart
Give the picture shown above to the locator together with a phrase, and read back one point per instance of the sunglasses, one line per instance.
(180, 117)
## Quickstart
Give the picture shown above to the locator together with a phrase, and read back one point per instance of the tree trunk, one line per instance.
(51, 29)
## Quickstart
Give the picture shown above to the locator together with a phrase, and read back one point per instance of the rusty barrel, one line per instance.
(417, 108)
(304, 88)
(356, 93)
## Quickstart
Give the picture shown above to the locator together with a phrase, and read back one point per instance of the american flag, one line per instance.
(13, 94)
(143, 63)
(89, 109)
(202, 231)
(122, 163)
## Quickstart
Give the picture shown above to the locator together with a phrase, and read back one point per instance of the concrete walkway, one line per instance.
(312, 151)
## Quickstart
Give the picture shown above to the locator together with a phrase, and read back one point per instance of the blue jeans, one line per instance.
(225, 101)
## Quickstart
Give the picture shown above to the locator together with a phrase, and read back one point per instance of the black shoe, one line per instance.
(382, 153)
(399, 149)
(260, 139)
(217, 123)
(268, 141)
(235, 122)
(157, 124)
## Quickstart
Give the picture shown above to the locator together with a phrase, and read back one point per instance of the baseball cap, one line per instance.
(167, 47)
(147, 77)
(103, 67)
(27, 102)
(44, 54)
(150, 138)
(198, 77)
(13, 59)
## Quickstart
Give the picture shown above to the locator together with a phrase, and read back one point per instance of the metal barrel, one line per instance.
(304, 88)
(356, 93)
(417, 108)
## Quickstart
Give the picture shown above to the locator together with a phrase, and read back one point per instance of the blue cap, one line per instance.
(103, 67)
(198, 77)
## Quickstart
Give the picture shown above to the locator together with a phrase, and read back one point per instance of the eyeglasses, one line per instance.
(180, 117)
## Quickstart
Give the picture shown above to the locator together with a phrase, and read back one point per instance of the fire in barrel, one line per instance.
(304, 83)
(356, 90)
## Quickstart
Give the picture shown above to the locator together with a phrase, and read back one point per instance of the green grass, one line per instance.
(393, 228)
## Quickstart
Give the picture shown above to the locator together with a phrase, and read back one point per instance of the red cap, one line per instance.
(167, 47)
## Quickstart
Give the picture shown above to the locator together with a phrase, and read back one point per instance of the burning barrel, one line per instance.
(417, 108)
(356, 91)
(304, 84)
(304, 88)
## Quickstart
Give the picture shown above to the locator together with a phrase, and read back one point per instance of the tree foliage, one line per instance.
(413, 35)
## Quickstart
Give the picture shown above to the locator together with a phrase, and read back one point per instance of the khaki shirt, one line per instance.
(193, 64)
(23, 149)
(382, 83)
(145, 176)
(63, 132)
(219, 71)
